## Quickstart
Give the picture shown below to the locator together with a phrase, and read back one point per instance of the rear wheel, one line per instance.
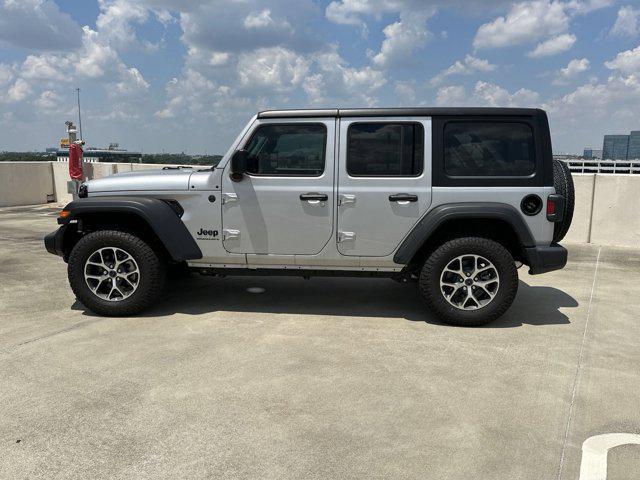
(115, 273)
(469, 281)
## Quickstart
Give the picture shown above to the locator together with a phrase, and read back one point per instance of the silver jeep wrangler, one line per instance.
(454, 199)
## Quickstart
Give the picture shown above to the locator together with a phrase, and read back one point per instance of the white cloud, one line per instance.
(492, 95)
(553, 46)
(96, 57)
(451, 96)
(486, 94)
(240, 26)
(314, 87)
(402, 38)
(164, 16)
(627, 23)
(6, 74)
(469, 66)
(37, 25)
(18, 91)
(573, 69)
(405, 92)
(131, 84)
(274, 68)
(350, 12)
(49, 67)
(218, 58)
(344, 84)
(190, 94)
(626, 62)
(48, 101)
(263, 20)
(526, 22)
(116, 19)
(354, 12)
(582, 7)
(544, 21)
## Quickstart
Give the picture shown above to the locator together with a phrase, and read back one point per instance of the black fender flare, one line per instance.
(435, 217)
(157, 213)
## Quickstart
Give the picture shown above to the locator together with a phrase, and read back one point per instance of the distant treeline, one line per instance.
(26, 157)
(173, 158)
(181, 159)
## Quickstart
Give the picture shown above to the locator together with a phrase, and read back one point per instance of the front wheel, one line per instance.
(469, 281)
(115, 273)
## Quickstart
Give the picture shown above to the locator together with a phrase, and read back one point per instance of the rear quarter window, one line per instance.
(488, 149)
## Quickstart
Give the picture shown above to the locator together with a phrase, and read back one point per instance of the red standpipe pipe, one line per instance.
(75, 162)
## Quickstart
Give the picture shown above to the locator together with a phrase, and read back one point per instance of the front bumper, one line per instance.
(54, 241)
(545, 259)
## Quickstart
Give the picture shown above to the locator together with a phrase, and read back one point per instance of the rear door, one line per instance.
(384, 182)
(284, 204)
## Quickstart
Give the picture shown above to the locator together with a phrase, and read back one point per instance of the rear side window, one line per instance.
(492, 149)
(281, 150)
(385, 149)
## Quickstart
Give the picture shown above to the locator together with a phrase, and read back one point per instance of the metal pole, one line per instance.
(79, 117)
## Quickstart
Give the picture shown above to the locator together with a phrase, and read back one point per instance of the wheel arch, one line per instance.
(496, 221)
(153, 219)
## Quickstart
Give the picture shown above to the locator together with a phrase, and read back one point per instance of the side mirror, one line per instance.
(238, 165)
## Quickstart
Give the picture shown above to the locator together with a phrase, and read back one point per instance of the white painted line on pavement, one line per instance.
(595, 450)
(576, 379)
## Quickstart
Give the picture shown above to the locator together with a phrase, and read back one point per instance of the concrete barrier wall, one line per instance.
(606, 210)
(580, 230)
(616, 216)
(25, 183)
(60, 171)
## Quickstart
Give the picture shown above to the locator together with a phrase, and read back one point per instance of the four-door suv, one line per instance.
(452, 198)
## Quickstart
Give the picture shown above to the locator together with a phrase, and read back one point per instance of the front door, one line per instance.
(384, 182)
(284, 204)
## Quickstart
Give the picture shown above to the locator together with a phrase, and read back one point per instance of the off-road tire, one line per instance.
(152, 273)
(429, 281)
(563, 183)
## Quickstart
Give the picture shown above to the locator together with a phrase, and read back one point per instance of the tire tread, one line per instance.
(563, 183)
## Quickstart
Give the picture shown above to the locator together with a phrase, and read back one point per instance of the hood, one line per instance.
(151, 180)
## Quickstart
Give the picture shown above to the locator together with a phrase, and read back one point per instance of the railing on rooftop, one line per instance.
(629, 167)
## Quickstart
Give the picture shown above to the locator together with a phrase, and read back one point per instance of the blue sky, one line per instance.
(185, 75)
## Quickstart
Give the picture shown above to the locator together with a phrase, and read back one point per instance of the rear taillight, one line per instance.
(555, 208)
(551, 207)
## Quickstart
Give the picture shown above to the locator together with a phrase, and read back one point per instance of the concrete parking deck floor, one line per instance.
(326, 379)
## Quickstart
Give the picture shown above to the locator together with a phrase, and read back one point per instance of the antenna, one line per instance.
(79, 116)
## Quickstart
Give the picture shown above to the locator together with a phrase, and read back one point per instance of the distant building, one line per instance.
(634, 146)
(591, 154)
(615, 147)
(621, 147)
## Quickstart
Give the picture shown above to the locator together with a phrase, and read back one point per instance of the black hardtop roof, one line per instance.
(402, 112)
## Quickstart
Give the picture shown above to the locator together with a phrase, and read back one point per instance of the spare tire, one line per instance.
(563, 183)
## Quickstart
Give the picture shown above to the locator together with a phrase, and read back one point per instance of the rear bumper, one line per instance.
(54, 241)
(545, 259)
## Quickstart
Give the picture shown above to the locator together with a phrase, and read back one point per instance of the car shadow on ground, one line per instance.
(375, 298)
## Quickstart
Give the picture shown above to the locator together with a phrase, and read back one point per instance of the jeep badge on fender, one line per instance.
(203, 232)
(452, 199)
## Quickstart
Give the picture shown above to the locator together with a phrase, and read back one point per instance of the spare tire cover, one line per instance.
(563, 183)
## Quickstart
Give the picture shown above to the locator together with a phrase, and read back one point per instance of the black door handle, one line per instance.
(322, 197)
(403, 197)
